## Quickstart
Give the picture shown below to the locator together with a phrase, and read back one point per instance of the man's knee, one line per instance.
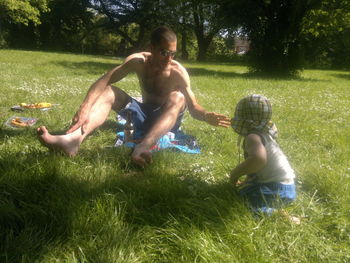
(176, 99)
(119, 97)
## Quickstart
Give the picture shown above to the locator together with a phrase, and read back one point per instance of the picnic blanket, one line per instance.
(176, 141)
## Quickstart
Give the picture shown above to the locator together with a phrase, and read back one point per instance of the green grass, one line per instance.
(98, 207)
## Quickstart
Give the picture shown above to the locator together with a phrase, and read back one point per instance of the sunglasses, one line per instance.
(167, 53)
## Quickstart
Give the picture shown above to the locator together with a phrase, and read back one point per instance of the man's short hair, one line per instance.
(162, 33)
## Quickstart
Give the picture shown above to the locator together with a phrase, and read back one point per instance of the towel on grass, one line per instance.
(177, 141)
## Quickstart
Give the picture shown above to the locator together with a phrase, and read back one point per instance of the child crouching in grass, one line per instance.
(269, 182)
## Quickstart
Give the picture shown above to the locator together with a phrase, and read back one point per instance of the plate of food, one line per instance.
(44, 106)
(20, 122)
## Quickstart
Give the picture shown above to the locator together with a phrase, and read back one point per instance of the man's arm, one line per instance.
(196, 110)
(116, 74)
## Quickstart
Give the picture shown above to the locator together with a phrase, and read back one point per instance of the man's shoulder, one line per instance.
(177, 65)
(179, 69)
(135, 62)
(140, 57)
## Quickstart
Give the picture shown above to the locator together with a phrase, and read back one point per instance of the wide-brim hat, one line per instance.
(253, 113)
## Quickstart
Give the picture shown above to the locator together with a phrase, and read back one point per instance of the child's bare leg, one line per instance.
(70, 143)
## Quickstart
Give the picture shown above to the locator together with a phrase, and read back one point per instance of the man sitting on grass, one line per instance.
(166, 92)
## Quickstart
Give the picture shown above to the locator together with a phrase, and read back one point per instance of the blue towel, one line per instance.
(177, 141)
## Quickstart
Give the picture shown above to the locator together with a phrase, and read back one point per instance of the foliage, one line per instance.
(65, 25)
(206, 22)
(221, 49)
(19, 13)
(332, 17)
(285, 34)
(327, 35)
(23, 11)
(121, 14)
(188, 47)
(274, 28)
(62, 28)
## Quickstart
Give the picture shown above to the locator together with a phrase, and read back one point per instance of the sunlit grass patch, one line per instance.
(99, 207)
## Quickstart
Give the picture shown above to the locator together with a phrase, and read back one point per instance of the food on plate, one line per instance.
(40, 105)
(20, 122)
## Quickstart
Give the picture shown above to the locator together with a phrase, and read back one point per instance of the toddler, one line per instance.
(269, 182)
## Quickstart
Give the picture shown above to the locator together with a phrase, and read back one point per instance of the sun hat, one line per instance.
(253, 113)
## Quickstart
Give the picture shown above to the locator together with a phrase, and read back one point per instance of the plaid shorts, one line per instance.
(144, 115)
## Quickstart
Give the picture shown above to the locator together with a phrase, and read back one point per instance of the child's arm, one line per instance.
(256, 158)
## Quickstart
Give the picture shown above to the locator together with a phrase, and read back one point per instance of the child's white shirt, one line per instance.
(277, 168)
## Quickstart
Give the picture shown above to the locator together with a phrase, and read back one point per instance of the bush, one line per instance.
(275, 57)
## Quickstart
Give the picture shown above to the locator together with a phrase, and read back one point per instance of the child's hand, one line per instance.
(234, 179)
(240, 183)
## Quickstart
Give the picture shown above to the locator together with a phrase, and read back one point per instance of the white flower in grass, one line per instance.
(209, 179)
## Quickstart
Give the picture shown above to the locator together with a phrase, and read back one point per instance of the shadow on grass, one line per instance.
(156, 200)
(7, 132)
(197, 71)
(11, 132)
(102, 67)
(39, 205)
(342, 75)
(88, 67)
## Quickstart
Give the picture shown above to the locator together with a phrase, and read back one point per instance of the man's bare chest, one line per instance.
(158, 84)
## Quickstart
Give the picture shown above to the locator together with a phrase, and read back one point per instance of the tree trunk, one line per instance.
(184, 53)
(203, 45)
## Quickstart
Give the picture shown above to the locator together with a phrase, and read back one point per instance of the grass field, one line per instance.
(98, 207)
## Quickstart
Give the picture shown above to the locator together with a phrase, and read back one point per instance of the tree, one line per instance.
(61, 27)
(22, 11)
(200, 16)
(326, 32)
(180, 22)
(143, 13)
(206, 22)
(66, 25)
(274, 28)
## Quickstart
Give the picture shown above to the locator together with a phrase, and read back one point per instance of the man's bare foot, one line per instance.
(141, 155)
(68, 144)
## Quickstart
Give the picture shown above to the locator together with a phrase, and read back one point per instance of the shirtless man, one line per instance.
(166, 91)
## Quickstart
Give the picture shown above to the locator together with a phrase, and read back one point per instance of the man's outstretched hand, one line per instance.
(80, 119)
(217, 119)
